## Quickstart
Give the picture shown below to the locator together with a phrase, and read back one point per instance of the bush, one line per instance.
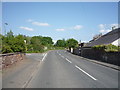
(99, 47)
(6, 49)
(107, 48)
(112, 48)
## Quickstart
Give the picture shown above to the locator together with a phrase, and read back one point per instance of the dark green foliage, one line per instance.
(61, 43)
(47, 41)
(72, 43)
(10, 43)
(107, 48)
(22, 43)
(6, 49)
(99, 47)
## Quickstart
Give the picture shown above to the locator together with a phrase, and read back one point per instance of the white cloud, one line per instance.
(108, 30)
(40, 24)
(105, 28)
(105, 31)
(78, 27)
(60, 29)
(102, 31)
(102, 26)
(26, 28)
(115, 25)
(85, 41)
(29, 20)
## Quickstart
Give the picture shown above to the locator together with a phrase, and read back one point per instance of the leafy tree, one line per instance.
(1, 42)
(10, 43)
(61, 43)
(47, 40)
(36, 43)
(71, 43)
(6, 49)
(19, 44)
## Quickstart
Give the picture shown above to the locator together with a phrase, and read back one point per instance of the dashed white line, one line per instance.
(85, 72)
(44, 56)
(68, 60)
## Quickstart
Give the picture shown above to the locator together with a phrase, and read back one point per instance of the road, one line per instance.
(17, 75)
(60, 69)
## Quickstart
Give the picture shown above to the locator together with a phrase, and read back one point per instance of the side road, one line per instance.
(17, 75)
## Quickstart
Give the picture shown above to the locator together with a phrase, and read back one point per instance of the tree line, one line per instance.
(20, 43)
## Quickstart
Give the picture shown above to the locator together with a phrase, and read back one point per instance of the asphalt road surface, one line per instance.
(60, 69)
(18, 74)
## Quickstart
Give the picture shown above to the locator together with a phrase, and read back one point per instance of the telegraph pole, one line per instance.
(5, 27)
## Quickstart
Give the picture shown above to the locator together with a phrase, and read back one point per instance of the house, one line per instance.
(113, 37)
(85, 50)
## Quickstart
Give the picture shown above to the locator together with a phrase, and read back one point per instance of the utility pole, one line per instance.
(5, 27)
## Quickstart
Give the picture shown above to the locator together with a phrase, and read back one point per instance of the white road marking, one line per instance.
(44, 56)
(34, 73)
(85, 72)
(68, 60)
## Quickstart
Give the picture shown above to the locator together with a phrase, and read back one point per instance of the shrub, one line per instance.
(107, 48)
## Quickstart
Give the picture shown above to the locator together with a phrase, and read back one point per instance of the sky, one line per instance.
(78, 20)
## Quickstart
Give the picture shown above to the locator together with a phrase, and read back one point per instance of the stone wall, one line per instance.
(99, 55)
(10, 58)
(108, 57)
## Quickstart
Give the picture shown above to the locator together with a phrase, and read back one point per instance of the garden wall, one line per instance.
(9, 59)
(109, 57)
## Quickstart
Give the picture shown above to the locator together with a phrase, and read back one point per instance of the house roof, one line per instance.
(106, 39)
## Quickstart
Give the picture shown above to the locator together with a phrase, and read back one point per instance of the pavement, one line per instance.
(60, 69)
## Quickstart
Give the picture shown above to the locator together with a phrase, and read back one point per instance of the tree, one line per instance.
(47, 41)
(61, 43)
(10, 43)
(36, 44)
(19, 44)
(71, 43)
(7, 42)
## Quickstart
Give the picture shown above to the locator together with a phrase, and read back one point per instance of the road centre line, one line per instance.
(34, 72)
(85, 72)
(79, 68)
(65, 58)
(68, 60)
(44, 56)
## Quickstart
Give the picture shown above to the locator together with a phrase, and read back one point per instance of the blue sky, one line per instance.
(78, 20)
